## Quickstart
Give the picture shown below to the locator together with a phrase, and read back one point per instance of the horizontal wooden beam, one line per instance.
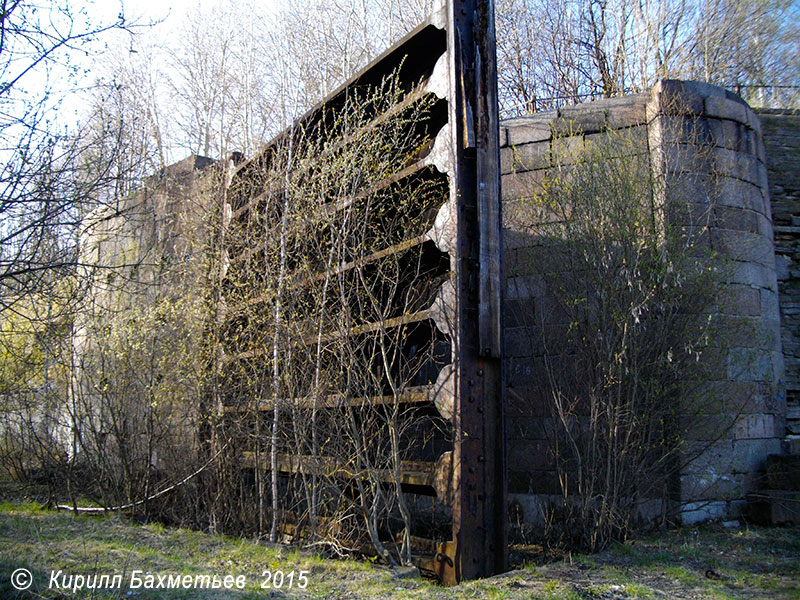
(338, 270)
(416, 473)
(371, 327)
(410, 395)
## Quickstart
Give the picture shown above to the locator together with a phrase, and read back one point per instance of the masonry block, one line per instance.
(750, 142)
(783, 472)
(669, 97)
(793, 427)
(522, 342)
(620, 142)
(730, 163)
(754, 122)
(749, 364)
(765, 227)
(734, 192)
(726, 457)
(712, 487)
(529, 286)
(527, 400)
(774, 507)
(740, 300)
(779, 369)
(692, 187)
(530, 428)
(627, 111)
(525, 130)
(734, 218)
(706, 427)
(696, 239)
(697, 214)
(530, 260)
(525, 157)
(566, 150)
(703, 89)
(553, 311)
(693, 130)
(720, 136)
(750, 455)
(503, 137)
(769, 304)
(723, 108)
(506, 160)
(693, 513)
(757, 427)
(529, 508)
(734, 97)
(683, 158)
(671, 87)
(747, 397)
(751, 332)
(743, 246)
(529, 455)
(733, 398)
(581, 119)
(519, 313)
(753, 274)
(762, 179)
(522, 372)
(528, 214)
(520, 185)
(533, 482)
(760, 151)
(515, 237)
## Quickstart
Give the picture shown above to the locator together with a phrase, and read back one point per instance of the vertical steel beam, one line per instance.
(479, 527)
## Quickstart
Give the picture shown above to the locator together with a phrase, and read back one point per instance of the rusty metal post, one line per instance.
(479, 524)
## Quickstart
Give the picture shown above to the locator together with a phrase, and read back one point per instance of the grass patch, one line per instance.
(708, 562)
(639, 590)
(682, 575)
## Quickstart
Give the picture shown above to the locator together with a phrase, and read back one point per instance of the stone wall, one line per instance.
(706, 141)
(781, 133)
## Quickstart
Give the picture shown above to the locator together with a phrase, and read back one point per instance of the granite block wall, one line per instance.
(708, 143)
(781, 134)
